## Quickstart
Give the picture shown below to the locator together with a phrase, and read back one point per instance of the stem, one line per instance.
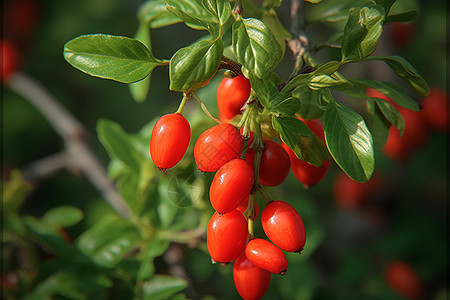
(229, 64)
(264, 193)
(80, 155)
(182, 104)
(205, 110)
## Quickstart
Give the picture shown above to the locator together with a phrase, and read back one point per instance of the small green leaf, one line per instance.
(408, 16)
(192, 67)
(391, 114)
(63, 216)
(162, 287)
(219, 8)
(154, 14)
(286, 107)
(328, 68)
(406, 71)
(377, 123)
(270, 18)
(108, 241)
(309, 102)
(209, 23)
(155, 248)
(361, 33)
(349, 141)
(118, 144)
(327, 81)
(255, 47)
(112, 57)
(392, 91)
(266, 90)
(297, 136)
(15, 191)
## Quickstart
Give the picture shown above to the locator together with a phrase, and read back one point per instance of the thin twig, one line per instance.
(79, 153)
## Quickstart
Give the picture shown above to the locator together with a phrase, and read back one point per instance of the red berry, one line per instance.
(306, 173)
(401, 34)
(226, 236)
(217, 146)
(169, 141)
(231, 184)
(266, 255)
(283, 226)
(251, 281)
(9, 60)
(404, 280)
(414, 137)
(275, 164)
(243, 207)
(435, 108)
(232, 93)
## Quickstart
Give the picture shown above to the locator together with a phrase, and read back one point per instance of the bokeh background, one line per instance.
(403, 218)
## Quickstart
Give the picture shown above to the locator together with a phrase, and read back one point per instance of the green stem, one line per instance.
(182, 104)
(205, 110)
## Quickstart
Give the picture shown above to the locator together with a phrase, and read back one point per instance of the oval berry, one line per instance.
(275, 164)
(435, 108)
(266, 255)
(251, 281)
(226, 236)
(306, 173)
(169, 140)
(231, 184)
(283, 226)
(217, 146)
(10, 59)
(232, 93)
(404, 280)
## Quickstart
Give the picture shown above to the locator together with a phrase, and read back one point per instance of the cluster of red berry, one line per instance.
(241, 166)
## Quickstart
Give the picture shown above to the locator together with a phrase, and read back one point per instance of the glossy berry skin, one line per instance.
(266, 255)
(217, 146)
(243, 207)
(232, 93)
(275, 164)
(404, 280)
(226, 235)
(251, 281)
(306, 173)
(283, 226)
(231, 184)
(435, 108)
(10, 59)
(169, 140)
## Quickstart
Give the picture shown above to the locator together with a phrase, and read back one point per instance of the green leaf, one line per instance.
(406, 71)
(377, 123)
(286, 107)
(327, 81)
(219, 8)
(155, 248)
(192, 67)
(154, 14)
(391, 114)
(63, 216)
(108, 241)
(309, 102)
(328, 68)
(15, 191)
(162, 287)
(408, 16)
(255, 47)
(297, 136)
(349, 141)
(361, 33)
(139, 90)
(392, 91)
(271, 19)
(266, 90)
(112, 57)
(118, 144)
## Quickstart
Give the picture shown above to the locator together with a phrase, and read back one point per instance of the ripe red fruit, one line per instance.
(231, 184)
(231, 95)
(404, 280)
(251, 281)
(10, 59)
(217, 146)
(226, 236)
(275, 164)
(266, 255)
(414, 137)
(351, 195)
(435, 108)
(169, 140)
(283, 226)
(243, 207)
(401, 34)
(306, 173)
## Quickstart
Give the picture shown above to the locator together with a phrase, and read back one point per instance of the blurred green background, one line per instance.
(348, 249)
